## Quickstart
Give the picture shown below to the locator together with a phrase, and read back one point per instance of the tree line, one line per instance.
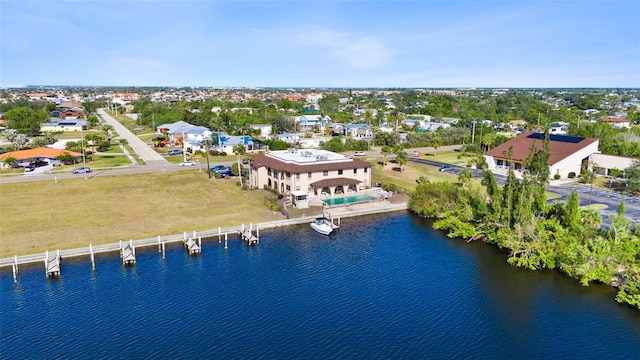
(538, 234)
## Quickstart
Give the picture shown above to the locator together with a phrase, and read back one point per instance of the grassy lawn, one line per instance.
(412, 171)
(38, 216)
(447, 157)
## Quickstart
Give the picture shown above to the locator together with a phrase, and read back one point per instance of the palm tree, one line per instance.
(239, 150)
(464, 176)
(401, 158)
(385, 150)
(435, 143)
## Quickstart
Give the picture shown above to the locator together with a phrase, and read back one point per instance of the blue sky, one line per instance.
(335, 43)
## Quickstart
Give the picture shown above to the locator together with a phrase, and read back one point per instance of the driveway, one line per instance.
(147, 154)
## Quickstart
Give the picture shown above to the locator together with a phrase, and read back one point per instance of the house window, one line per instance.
(339, 172)
(298, 176)
(297, 188)
(365, 169)
(325, 173)
(275, 174)
(309, 175)
(269, 171)
(288, 174)
(355, 171)
(288, 188)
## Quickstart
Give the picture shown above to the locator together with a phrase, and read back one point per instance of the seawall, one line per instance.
(338, 212)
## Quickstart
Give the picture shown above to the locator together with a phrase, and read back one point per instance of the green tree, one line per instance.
(385, 151)
(10, 161)
(25, 120)
(335, 145)
(66, 158)
(435, 144)
(571, 213)
(464, 176)
(401, 158)
(633, 176)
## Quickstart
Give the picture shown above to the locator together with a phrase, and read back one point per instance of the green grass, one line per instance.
(43, 215)
(447, 157)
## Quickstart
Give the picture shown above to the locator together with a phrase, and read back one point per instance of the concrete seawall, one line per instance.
(341, 212)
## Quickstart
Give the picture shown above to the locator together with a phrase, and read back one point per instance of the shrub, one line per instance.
(238, 183)
(556, 176)
(571, 175)
(389, 187)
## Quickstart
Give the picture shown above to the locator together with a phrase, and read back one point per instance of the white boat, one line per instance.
(322, 225)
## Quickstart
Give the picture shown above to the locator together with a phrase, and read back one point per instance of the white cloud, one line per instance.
(360, 52)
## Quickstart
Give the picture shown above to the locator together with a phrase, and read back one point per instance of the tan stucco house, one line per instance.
(317, 172)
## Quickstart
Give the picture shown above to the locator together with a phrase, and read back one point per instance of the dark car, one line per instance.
(224, 173)
(446, 168)
(175, 152)
(82, 170)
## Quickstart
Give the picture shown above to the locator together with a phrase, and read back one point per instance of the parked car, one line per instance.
(218, 168)
(82, 170)
(446, 168)
(188, 163)
(29, 168)
(224, 173)
(360, 153)
(139, 128)
(175, 152)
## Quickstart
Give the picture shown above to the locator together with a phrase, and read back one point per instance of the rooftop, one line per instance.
(310, 156)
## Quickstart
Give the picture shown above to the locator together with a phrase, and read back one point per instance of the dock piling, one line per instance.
(93, 259)
(159, 245)
(225, 241)
(219, 234)
(15, 261)
(163, 250)
(15, 273)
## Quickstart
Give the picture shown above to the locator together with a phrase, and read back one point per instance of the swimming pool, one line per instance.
(349, 200)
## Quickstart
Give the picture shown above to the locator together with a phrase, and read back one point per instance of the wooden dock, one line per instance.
(52, 264)
(128, 253)
(192, 246)
(220, 232)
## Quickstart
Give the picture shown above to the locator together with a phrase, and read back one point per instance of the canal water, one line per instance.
(385, 286)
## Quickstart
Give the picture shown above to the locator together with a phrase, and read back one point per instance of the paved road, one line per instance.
(147, 154)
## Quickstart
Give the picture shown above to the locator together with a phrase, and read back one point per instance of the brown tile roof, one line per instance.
(41, 152)
(560, 146)
(260, 160)
(335, 182)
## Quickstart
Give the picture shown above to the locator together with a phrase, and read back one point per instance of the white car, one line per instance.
(188, 163)
(360, 153)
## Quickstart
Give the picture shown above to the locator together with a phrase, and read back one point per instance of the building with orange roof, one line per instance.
(25, 157)
(620, 123)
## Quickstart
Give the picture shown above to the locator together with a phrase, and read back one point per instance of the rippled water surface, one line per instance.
(382, 287)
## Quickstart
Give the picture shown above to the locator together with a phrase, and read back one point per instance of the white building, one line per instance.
(567, 153)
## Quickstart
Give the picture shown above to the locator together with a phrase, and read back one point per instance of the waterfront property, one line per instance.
(319, 173)
(567, 153)
(384, 286)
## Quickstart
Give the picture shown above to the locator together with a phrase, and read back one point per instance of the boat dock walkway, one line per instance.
(128, 253)
(160, 241)
(52, 264)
